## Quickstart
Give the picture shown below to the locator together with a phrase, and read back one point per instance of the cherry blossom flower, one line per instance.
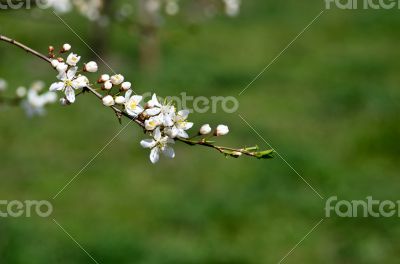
(69, 83)
(73, 59)
(117, 79)
(180, 125)
(132, 104)
(158, 145)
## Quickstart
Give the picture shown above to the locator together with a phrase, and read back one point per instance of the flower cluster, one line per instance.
(32, 100)
(69, 78)
(160, 120)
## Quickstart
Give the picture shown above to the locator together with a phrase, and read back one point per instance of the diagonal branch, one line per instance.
(233, 152)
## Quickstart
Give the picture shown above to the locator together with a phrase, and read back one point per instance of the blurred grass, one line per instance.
(329, 105)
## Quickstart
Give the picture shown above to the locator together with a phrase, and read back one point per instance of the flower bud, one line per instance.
(104, 78)
(55, 63)
(126, 86)
(205, 129)
(107, 85)
(51, 49)
(64, 102)
(221, 130)
(21, 92)
(117, 79)
(120, 100)
(91, 67)
(66, 47)
(108, 100)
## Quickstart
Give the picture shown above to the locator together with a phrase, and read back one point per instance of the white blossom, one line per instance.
(69, 83)
(60, 6)
(120, 100)
(117, 79)
(66, 47)
(55, 63)
(232, 7)
(108, 100)
(158, 145)
(152, 123)
(205, 129)
(34, 103)
(107, 85)
(221, 130)
(104, 78)
(126, 86)
(180, 125)
(73, 59)
(61, 68)
(132, 104)
(91, 66)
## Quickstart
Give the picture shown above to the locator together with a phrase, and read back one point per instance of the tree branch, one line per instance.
(233, 152)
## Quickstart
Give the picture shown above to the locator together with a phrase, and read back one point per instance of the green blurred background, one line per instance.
(329, 105)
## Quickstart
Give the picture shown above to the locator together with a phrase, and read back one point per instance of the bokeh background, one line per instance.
(329, 105)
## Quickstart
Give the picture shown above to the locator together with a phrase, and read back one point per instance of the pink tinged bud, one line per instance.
(108, 85)
(108, 100)
(221, 130)
(104, 78)
(126, 86)
(91, 67)
(66, 47)
(205, 129)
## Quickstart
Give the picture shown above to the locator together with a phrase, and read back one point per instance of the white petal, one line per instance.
(187, 125)
(154, 155)
(138, 110)
(153, 111)
(128, 95)
(183, 114)
(168, 120)
(137, 98)
(169, 152)
(172, 132)
(183, 134)
(148, 143)
(71, 72)
(70, 94)
(157, 134)
(56, 86)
